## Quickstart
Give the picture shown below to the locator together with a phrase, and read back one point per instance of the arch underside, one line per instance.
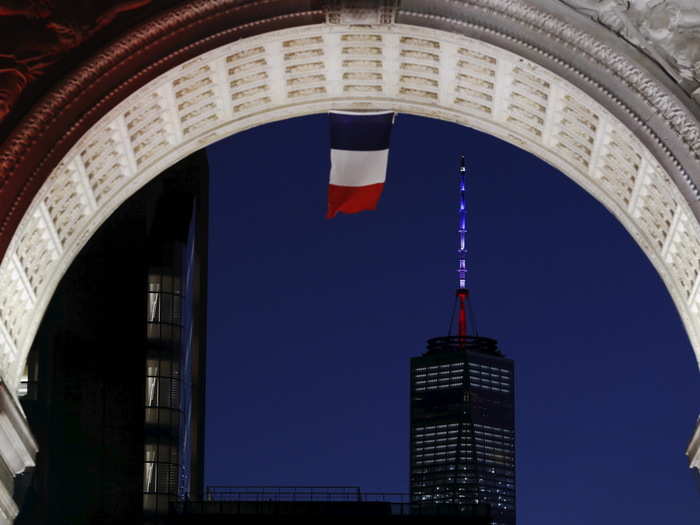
(312, 69)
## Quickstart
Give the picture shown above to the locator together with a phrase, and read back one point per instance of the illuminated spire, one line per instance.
(462, 246)
(462, 292)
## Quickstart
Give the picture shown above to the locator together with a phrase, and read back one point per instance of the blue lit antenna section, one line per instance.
(462, 292)
(462, 246)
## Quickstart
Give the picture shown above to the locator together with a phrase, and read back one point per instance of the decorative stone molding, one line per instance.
(50, 30)
(361, 12)
(25, 159)
(315, 68)
(668, 31)
(543, 27)
(17, 451)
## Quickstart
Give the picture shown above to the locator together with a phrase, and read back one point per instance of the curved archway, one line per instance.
(589, 105)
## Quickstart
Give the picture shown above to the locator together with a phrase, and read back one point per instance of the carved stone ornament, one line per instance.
(668, 31)
(361, 12)
(35, 34)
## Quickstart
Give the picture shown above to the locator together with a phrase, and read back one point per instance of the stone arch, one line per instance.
(568, 91)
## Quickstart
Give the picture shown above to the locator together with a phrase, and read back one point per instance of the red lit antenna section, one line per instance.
(462, 291)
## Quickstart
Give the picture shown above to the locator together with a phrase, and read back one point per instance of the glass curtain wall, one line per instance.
(163, 409)
(168, 396)
(462, 427)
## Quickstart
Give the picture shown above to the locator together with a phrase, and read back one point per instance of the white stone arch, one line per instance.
(417, 62)
(312, 69)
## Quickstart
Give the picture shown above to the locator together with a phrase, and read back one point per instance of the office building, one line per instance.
(114, 389)
(462, 426)
(462, 444)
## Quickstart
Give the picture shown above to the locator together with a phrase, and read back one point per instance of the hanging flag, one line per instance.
(359, 155)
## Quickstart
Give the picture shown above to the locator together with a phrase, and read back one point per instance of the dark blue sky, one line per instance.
(312, 323)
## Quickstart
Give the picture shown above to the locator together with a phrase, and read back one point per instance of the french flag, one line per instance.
(359, 155)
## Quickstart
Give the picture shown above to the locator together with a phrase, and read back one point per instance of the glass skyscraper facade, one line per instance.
(463, 426)
(175, 333)
(171, 348)
(115, 379)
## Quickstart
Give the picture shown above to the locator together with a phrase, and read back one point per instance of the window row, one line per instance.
(437, 428)
(160, 478)
(160, 452)
(489, 373)
(162, 392)
(446, 467)
(444, 366)
(442, 377)
(164, 333)
(421, 432)
(478, 366)
(164, 308)
(506, 444)
(506, 435)
(431, 441)
(443, 383)
(164, 283)
(500, 430)
(445, 372)
(454, 379)
(481, 447)
(489, 380)
(163, 417)
(490, 388)
(436, 478)
(428, 457)
(496, 460)
(162, 367)
(433, 459)
(436, 449)
(446, 386)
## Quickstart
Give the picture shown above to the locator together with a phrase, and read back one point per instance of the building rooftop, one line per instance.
(456, 343)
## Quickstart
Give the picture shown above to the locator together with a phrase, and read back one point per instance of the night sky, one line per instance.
(312, 323)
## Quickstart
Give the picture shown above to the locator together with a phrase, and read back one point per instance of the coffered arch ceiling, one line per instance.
(549, 80)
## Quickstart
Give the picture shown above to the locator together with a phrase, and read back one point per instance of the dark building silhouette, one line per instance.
(115, 378)
(463, 426)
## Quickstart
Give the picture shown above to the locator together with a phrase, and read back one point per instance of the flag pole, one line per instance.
(462, 291)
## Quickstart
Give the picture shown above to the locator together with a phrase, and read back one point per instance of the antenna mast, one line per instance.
(462, 292)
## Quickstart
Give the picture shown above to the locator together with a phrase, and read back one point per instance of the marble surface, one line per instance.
(668, 31)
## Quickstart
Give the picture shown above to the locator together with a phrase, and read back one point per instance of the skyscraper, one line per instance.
(115, 379)
(175, 338)
(462, 412)
(462, 426)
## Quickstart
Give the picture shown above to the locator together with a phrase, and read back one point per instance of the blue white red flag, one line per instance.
(359, 156)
